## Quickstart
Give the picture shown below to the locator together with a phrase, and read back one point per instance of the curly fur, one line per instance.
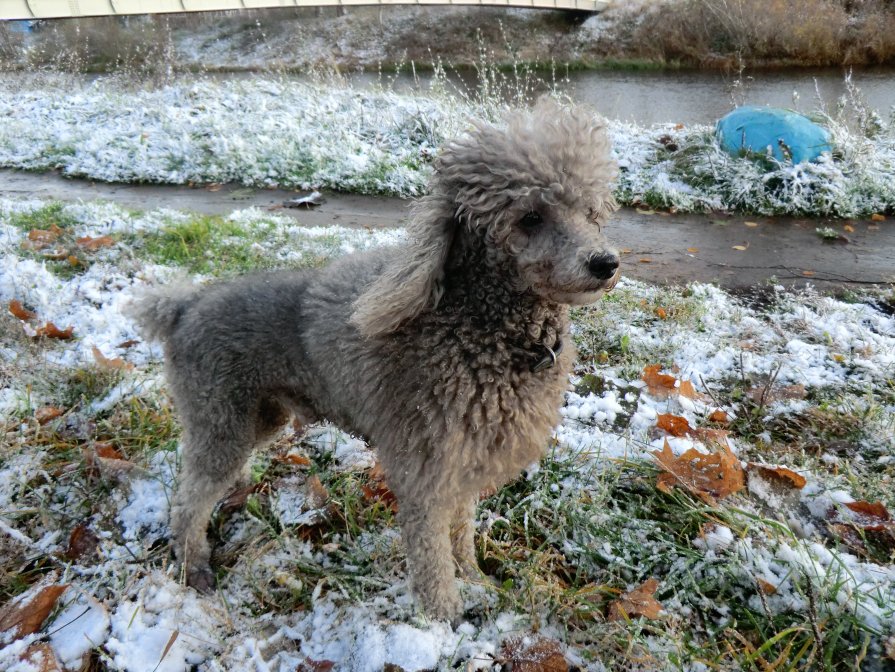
(427, 351)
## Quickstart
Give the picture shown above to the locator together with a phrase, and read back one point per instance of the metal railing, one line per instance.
(56, 9)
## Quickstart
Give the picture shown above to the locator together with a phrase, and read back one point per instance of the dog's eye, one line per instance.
(531, 220)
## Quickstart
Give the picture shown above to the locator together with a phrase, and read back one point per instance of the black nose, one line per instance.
(602, 266)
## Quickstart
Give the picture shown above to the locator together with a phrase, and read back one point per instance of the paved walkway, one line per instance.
(736, 252)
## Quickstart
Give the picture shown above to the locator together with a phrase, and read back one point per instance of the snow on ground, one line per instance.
(280, 131)
(289, 597)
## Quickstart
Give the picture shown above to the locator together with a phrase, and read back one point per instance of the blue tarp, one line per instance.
(789, 135)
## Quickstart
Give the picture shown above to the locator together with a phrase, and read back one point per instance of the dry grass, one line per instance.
(765, 32)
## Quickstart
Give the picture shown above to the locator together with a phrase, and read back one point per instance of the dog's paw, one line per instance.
(201, 578)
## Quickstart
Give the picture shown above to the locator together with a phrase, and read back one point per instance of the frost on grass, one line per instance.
(805, 382)
(283, 132)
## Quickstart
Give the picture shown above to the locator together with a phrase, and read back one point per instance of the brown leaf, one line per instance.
(521, 654)
(719, 416)
(40, 238)
(645, 260)
(875, 510)
(710, 435)
(378, 491)
(42, 658)
(131, 342)
(709, 476)
(673, 424)
(317, 493)
(295, 459)
(94, 244)
(28, 617)
(311, 665)
(46, 413)
(238, 498)
(692, 250)
(778, 474)
(82, 542)
(116, 364)
(849, 228)
(638, 602)
(19, 311)
(876, 217)
(50, 330)
(171, 640)
(658, 384)
(766, 587)
(808, 274)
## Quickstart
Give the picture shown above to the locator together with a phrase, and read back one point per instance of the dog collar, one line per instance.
(548, 361)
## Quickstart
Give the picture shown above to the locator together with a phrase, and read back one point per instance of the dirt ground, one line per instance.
(737, 252)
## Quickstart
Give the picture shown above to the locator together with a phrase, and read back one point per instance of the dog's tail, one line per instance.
(157, 311)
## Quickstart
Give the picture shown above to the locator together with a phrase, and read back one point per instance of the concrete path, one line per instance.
(734, 251)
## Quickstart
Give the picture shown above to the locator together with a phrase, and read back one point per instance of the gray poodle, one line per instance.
(449, 354)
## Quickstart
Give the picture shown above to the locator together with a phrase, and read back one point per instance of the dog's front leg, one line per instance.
(463, 538)
(425, 527)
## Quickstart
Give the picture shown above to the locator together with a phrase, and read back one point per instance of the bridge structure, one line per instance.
(57, 9)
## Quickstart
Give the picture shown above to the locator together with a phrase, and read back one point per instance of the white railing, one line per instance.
(56, 9)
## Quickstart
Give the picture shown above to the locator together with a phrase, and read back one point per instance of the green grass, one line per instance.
(43, 218)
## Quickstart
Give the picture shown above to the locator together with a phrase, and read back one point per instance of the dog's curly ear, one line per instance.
(412, 282)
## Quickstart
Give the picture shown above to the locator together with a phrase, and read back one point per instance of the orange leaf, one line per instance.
(28, 617)
(719, 416)
(767, 587)
(693, 250)
(780, 474)
(41, 658)
(673, 424)
(658, 384)
(645, 260)
(751, 225)
(877, 217)
(663, 315)
(808, 274)
(686, 389)
(709, 476)
(107, 450)
(50, 330)
(292, 458)
(19, 311)
(46, 413)
(541, 655)
(638, 602)
(38, 238)
(871, 510)
(710, 435)
(116, 364)
(316, 492)
(849, 228)
(93, 244)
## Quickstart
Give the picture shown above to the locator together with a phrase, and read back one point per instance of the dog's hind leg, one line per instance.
(215, 450)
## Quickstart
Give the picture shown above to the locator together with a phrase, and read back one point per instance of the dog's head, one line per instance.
(537, 192)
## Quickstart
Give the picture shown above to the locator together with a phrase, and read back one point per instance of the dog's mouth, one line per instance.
(585, 296)
(610, 284)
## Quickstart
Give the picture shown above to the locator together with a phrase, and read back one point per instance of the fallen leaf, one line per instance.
(877, 217)
(107, 450)
(40, 238)
(709, 476)
(808, 274)
(19, 311)
(751, 225)
(73, 261)
(46, 413)
(41, 658)
(719, 416)
(779, 474)
(116, 364)
(238, 498)
(293, 458)
(870, 509)
(311, 665)
(50, 330)
(766, 587)
(849, 228)
(521, 654)
(376, 490)
(693, 250)
(131, 342)
(638, 602)
(93, 244)
(663, 315)
(625, 250)
(82, 542)
(645, 260)
(662, 385)
(645, 212)
(686, 389)
(710, 435)
(28, 617)
(317, 493)
(673, 424)
(741, 248)
(785, 393)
